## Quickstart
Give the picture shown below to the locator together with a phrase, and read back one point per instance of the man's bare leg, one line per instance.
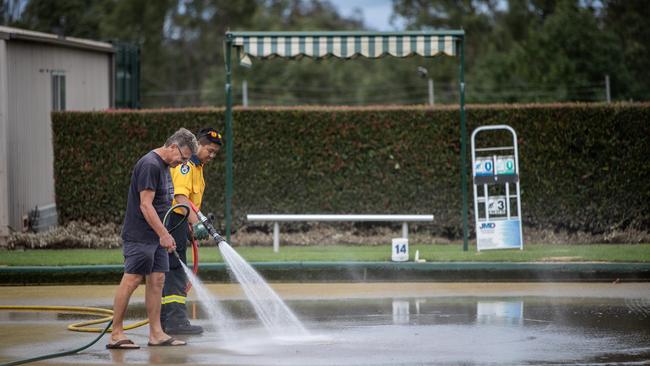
(153, 296)
(122, 296)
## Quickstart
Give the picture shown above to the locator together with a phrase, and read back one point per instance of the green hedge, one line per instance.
(583, 166)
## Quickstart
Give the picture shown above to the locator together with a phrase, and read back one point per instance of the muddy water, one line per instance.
(369, 324)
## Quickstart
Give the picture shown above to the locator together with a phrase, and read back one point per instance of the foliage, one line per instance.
(544, 50)
(628, 21)
(583, 167)
(516, 51)
(74, 234)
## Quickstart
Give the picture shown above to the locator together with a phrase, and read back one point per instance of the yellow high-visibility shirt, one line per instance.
(188, 181)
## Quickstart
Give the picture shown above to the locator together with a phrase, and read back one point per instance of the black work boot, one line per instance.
(183, 328)
(174, 320)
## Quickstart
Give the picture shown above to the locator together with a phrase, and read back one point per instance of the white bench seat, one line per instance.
(277, 218)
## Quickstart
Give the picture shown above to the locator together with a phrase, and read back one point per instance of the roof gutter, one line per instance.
(59, 41)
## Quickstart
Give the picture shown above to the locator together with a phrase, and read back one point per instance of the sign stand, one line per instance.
(497, 211)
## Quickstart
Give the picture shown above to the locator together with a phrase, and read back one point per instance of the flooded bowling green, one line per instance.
(363, 324)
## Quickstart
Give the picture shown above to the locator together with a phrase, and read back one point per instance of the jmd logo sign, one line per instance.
(488, 225)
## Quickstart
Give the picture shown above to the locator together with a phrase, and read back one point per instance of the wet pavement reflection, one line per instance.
(401, 324)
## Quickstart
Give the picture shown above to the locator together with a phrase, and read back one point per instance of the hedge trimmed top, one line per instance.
(583, 166)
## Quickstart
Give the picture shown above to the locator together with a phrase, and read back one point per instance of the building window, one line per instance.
(58, 91)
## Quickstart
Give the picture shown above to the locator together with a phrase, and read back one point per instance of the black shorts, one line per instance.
(144, 258)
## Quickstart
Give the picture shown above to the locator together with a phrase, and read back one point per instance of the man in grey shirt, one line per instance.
(146, 240)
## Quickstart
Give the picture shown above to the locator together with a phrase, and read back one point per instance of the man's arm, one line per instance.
(150, 214)
(181, 198)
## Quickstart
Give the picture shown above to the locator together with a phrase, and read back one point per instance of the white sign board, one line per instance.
(497, 205)
(498, 234)
(505, 164)
(400, 250)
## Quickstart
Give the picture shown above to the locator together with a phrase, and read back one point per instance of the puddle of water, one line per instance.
(470, 330)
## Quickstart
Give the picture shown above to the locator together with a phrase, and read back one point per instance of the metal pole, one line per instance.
(126, 83)
(607, 92)
(244, 94)
(229, 140)
(276, 237)
(138, 101)
(431, 99)
(463, 144)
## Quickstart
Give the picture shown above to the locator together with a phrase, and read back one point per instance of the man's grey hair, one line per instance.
(183, 138)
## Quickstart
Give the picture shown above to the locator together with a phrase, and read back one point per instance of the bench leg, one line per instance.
(405, 230)
(276, 237)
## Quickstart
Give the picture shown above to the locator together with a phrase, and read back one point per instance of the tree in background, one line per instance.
(10, 11)
(516, 50)
(143, 23)
(67, 17)
(628, 21)
(545, 50)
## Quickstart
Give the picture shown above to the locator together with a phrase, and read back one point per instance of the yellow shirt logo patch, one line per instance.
(185, 168)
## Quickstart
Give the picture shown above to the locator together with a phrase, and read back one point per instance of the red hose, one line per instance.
(195, 256)
(195, 248)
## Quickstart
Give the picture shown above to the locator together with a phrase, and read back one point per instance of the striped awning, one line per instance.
(343, 44)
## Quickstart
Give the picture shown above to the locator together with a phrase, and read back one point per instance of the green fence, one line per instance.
(127, 75)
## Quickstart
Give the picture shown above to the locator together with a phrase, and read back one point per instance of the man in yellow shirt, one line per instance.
(188, 186)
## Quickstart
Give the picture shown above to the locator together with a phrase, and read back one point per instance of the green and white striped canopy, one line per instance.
(343, 44)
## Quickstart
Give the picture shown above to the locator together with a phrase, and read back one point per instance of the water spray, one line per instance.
(271, 310)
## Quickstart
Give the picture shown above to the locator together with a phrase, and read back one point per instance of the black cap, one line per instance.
(211, 134)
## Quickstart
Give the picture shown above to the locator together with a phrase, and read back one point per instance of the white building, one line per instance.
(39, 73)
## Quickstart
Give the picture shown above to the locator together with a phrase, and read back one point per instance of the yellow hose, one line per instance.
(80, 326)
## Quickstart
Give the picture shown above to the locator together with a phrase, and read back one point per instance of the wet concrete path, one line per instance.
(366, 324)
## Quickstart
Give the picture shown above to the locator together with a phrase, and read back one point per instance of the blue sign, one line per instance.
(483, 167)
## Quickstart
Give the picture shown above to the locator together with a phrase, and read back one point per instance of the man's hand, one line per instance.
(167, 242)
(200, 231)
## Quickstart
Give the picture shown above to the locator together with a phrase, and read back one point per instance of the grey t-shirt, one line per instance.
(149, 173)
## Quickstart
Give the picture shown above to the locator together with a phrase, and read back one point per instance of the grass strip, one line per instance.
(432, 253)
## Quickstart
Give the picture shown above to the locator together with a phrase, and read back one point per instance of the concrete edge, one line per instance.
(355, 272)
